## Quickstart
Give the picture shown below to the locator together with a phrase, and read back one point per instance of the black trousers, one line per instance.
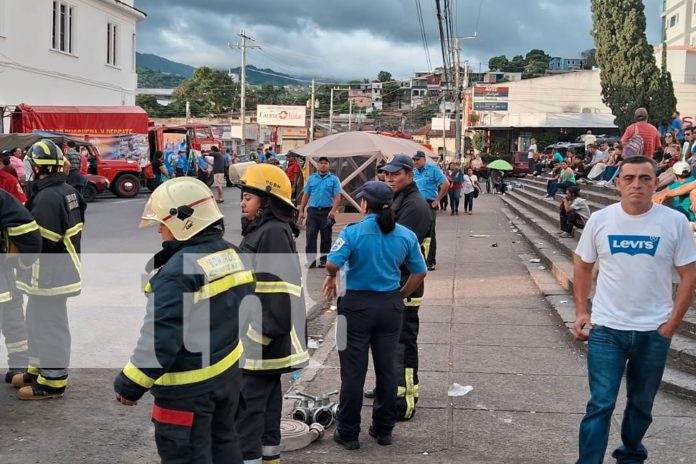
(408, 389)
(469, 201)
(200, 429)
(444, 202)
(431, 259)
(369, 320)
(49, 340)
(570, 220)
(14, 329)
(258, 420)
(318, 225)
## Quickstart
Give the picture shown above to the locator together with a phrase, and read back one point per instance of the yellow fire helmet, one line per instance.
(268, 179)
(184, 204)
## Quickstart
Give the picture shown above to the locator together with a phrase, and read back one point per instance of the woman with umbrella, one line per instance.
(498, 169)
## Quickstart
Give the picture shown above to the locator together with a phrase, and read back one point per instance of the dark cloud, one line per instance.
(355, 39)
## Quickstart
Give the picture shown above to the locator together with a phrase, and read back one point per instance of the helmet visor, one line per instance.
(148, 217)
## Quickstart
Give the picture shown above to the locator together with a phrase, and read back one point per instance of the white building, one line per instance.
(68, 52)
(679, 32)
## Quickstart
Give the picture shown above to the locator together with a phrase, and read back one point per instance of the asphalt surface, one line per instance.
(484, 324)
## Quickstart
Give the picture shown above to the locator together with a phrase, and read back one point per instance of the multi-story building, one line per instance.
(558, 63)
(679, 33)
(68, 52)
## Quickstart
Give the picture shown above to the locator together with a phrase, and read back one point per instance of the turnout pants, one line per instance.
(431, 259)
(408, 388)
(49, 341)
(199, 429)
(14, 329)
(258, 420)
(370, 320)
(318, 225)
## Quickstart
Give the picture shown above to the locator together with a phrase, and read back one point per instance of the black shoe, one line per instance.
(347, 444)
(383, 440)
(431, 267)
(311, 265)
(370, 394)
(321, 265)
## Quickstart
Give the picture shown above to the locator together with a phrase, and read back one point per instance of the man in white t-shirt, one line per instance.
(530, 154)
(638, 244)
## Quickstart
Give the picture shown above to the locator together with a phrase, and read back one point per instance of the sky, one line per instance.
(331, 39)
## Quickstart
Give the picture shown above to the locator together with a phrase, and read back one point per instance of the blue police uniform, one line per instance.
(428, 181)
(371, 309)
(321, 191)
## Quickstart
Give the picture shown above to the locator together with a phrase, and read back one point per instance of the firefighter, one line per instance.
(411, 211)
(189, 348)
(19, 233)
(59, 212)
(275, 340)
(373, 251)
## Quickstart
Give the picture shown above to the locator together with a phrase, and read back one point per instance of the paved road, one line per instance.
(484, 324)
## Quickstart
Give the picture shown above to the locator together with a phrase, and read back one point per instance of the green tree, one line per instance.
(150, 105)
(629, 75)
(537, 62)
(269, 94)
(517, 64)
(384, 76)
(589, 57)
(210, 92)
(498, 63)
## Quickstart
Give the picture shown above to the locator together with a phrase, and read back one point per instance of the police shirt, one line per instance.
(428, 180)
(322, 190)
(372, 259)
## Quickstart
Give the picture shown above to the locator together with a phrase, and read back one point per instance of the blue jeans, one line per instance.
(642, 355)
(555, 186)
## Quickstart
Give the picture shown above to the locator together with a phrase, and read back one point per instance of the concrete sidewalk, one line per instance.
(484, 323)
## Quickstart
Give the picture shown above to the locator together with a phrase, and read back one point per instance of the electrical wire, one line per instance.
(443, 40)
(424, 37)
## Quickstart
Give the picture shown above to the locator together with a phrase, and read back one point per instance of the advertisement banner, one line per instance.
(133, 147)
(277, 115)
(491, 98)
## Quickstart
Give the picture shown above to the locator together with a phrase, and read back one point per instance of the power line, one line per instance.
(424, 37)
(443, 41)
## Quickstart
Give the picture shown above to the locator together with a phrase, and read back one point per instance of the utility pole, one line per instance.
(457, 103)
(444, 127)
(459, 136)
(243, 47)
(331, 112)
(350, 114)
(465, 101)
(311, 113)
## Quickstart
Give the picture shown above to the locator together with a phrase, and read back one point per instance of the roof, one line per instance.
(552, 120)
(82, 109)
(427, 130)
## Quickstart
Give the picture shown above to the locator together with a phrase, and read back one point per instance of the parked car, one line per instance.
(520, 163)
(95, 186)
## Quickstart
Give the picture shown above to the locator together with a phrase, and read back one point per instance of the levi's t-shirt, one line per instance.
(637, 256)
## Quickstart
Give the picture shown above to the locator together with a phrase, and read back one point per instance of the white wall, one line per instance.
(31, 72)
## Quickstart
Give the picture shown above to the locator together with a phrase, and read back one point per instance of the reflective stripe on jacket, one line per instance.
(190, 339)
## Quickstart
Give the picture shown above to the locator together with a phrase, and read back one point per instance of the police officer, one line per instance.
(189, 349)
(59, 212)
(275, 340)
(20, 242)
(413, 212)
(371, 253)
(323, 194)
(433, 185)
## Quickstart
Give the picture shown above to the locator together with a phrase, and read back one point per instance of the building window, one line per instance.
(673, 20)
(63, 32)
(112, 44)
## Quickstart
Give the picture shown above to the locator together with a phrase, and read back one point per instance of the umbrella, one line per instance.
(500, 165)
(348, 144)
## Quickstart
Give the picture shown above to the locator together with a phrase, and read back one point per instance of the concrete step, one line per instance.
(535, 195)
(680, 374)
(600, 195)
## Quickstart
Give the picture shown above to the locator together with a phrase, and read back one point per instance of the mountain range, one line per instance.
(156, 71)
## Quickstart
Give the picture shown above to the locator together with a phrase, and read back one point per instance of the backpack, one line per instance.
(635, 145)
